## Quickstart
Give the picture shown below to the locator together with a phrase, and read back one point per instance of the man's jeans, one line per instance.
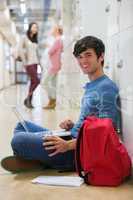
(29, 146)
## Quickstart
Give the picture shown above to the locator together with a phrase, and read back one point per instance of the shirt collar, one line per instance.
(88, 84)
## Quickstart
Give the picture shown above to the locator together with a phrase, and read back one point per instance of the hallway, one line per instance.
(109, 20)
(19, 186)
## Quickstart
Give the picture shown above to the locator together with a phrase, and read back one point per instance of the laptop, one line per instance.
(20, 118)
(61, 132)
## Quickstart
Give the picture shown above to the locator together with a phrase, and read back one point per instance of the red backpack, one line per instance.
(101, 159)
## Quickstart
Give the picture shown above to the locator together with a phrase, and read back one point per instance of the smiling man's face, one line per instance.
(89, 62)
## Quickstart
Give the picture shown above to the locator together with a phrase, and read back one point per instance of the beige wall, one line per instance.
(6, 78)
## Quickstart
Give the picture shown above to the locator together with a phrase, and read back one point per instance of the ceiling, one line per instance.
(36, 11)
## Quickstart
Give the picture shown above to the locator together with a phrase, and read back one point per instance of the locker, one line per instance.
(113, 17)
(125, 63)
(127, 118)
(126, 14)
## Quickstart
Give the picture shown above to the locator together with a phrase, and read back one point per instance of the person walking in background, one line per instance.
(28, 53)
(50, 77)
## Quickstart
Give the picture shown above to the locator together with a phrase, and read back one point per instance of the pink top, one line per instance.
(55, 56)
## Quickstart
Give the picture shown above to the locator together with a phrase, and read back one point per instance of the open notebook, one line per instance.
(60, 132)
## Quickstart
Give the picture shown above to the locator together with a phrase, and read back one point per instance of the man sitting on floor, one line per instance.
(32, 149)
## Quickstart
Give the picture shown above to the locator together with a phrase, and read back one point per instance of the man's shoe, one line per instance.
(17, 164)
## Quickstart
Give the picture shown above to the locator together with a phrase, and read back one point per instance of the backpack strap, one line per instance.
(77, 154)
(79, 169)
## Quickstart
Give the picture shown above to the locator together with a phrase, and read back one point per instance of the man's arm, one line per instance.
(58, 145)
(108, 103)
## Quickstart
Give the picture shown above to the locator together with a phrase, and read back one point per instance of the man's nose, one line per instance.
(84, 60)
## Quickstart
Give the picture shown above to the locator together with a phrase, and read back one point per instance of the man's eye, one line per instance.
(88, 55)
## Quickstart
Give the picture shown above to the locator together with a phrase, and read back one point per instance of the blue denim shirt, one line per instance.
(99, 99)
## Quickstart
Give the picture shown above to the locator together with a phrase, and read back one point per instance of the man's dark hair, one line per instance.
(89, 42)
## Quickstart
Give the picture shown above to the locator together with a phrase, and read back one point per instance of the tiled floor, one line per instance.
(14, 187)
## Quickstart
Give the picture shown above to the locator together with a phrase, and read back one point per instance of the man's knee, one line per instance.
(28, 146)
(25, 140)
(18, 140)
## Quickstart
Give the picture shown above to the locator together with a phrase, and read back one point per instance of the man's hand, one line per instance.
(56, 144)
(67, 124)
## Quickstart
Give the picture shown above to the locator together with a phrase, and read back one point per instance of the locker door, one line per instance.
(1, 62)
(113, 15)
(112, 58)
(125, 63)
(112, 50)
(126, 14)
(125, 69)
(94, 17)
(127, 118)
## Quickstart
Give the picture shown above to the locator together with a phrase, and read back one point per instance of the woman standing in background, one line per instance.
(50, 77)
(29, 56)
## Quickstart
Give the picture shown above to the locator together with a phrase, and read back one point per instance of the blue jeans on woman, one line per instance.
(28, 145)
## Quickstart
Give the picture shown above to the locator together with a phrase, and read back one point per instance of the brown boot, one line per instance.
(51, 104)
(17, 164)
(27, 102)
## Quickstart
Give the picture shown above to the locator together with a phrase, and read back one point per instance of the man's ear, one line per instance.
(101, 57)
